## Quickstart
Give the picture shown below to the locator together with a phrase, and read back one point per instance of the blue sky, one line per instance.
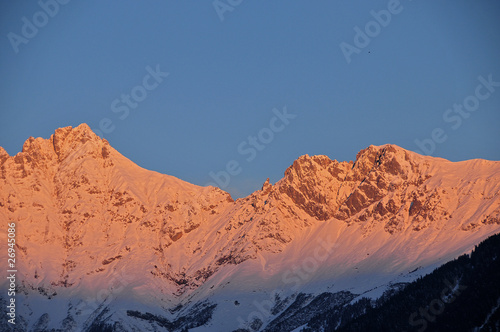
(233, 64)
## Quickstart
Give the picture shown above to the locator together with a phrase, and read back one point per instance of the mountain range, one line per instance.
(105, 245)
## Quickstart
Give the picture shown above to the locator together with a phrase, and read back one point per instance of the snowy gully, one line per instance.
(297, 275)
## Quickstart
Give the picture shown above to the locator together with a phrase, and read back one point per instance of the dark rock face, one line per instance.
(306, 189)
(384, 184)
(308, 201)
(324, 188)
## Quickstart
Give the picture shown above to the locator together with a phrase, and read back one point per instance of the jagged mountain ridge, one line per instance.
(84, 212)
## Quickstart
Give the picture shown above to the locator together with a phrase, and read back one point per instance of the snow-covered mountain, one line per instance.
(103, 243)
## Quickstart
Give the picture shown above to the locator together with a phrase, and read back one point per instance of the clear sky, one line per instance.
(348, 74)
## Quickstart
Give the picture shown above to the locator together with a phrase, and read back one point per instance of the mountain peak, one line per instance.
(46, 153)
(72, 136)
(321, 186)
(67, 140)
